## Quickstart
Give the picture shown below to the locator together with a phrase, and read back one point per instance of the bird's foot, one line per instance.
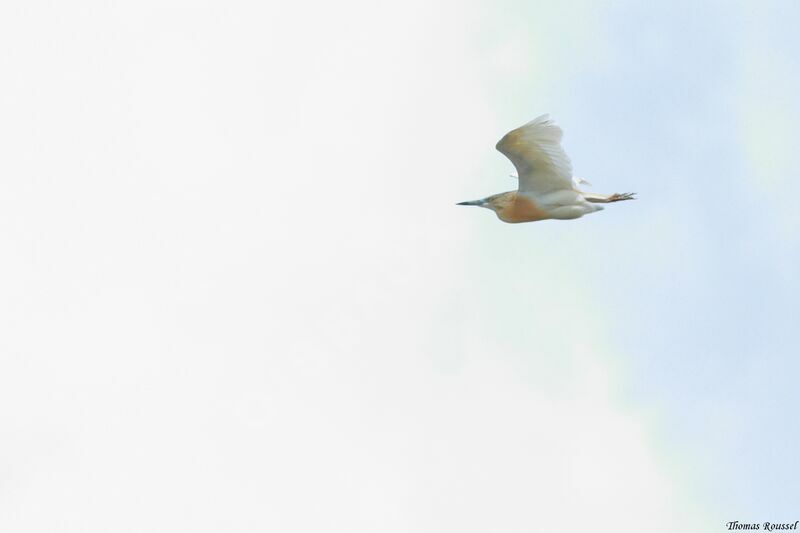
(619, 197)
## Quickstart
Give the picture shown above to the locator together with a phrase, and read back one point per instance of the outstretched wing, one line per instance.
(535, 149)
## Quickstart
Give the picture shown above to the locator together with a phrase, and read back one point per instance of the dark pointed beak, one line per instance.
(474, 202)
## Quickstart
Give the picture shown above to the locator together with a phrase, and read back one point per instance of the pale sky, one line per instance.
(238, 295)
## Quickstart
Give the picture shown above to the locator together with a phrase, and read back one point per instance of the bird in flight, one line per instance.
(547, 189)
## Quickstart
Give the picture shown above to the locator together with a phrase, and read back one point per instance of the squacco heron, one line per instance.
(547, 188)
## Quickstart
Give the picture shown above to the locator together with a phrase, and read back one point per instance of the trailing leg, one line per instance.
(608, 198)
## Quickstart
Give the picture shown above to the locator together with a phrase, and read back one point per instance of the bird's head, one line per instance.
(497, 202)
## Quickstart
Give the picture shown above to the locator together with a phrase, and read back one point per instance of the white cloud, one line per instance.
(241, 299)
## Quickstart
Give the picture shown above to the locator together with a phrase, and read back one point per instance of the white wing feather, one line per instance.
(541, 163)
